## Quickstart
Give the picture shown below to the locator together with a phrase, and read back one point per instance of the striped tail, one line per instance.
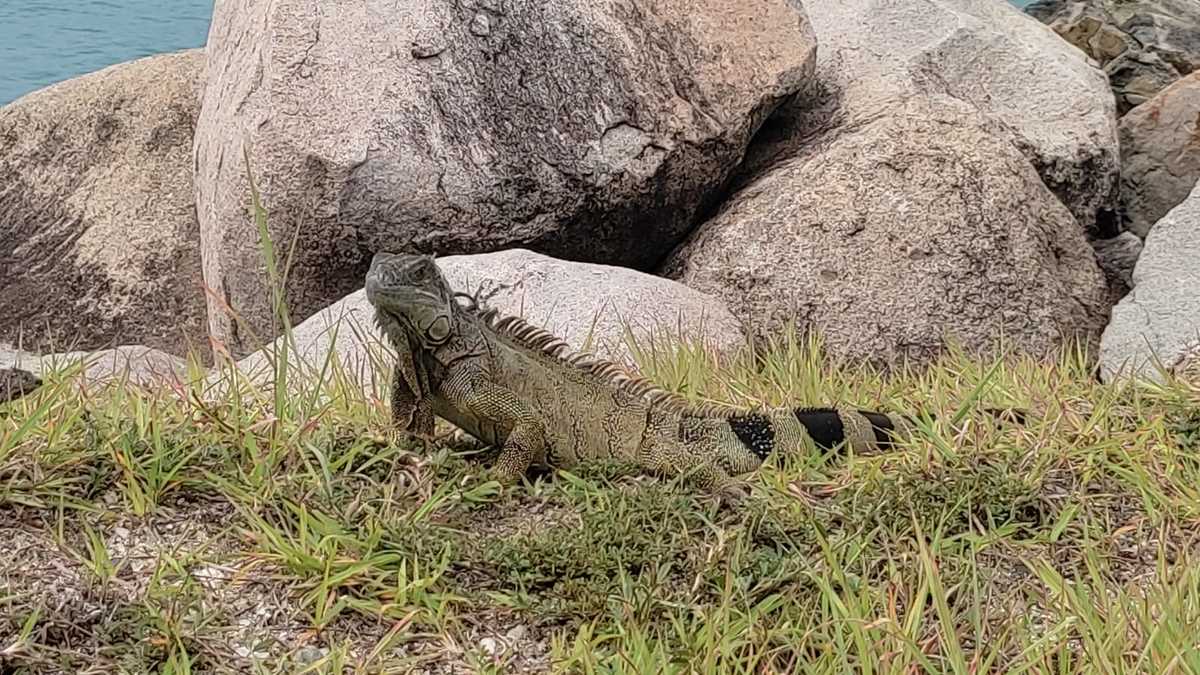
(866, 429)
(860, 429)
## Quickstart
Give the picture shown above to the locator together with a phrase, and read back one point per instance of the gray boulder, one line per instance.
(1037, 90)
(893, 237)
(99, 243)
(130, 363)
(589, 131)
(1160, 154)
(591, 307)
(1157, 323)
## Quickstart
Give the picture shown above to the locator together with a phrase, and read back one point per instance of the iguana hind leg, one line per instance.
(485, 400)
(670, 454)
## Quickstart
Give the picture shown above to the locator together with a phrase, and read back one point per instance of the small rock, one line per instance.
(249, 653)
(211, 577)
(309, 655)
(15, 383)
(490, 646)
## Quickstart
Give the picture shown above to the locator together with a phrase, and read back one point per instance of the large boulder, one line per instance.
(1159, 321)
(129, 363)
(99, 242)
(1160, 154)
(891, 238)
(1142, 45)
(591, 307)
(586, 130)
(1053, 104)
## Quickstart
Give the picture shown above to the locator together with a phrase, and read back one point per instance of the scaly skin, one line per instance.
(515, 386)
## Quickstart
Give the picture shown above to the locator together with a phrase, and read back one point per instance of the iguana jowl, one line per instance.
(517, 387)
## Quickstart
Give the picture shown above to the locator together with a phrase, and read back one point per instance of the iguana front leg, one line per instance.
(473, 393)
(411, 412)
(412, 409)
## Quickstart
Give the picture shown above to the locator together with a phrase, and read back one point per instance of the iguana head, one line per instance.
(411, 298)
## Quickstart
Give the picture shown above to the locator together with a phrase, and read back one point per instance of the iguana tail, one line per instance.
(829, 428)
(740, 440)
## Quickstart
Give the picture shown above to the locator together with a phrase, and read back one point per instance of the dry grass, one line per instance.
(217, 526)
(177, 530)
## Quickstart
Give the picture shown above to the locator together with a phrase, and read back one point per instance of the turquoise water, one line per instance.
(46, 41)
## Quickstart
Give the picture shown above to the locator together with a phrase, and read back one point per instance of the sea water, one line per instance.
(46, 41)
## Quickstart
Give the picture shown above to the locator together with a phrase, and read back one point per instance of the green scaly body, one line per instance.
(520, 388)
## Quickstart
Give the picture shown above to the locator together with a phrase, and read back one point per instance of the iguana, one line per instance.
(517, 387)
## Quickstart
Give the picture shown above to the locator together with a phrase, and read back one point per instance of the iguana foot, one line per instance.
(506, 478)
(461, 440)
(733, 492)
(508, 469)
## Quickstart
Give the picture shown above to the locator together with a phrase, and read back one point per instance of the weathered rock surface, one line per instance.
(99, 243)
(585, 130)
(1160, 154)
(1160, 318)
(874, 54)
(1143, 45)
(15, 383)
(890, 237)
(587, 305)
(1117, 257)
(132, 363)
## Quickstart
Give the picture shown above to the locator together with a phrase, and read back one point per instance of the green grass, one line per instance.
(228, 529)
(230, 525)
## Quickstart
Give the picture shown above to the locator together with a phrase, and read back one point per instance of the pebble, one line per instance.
(310, 654)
